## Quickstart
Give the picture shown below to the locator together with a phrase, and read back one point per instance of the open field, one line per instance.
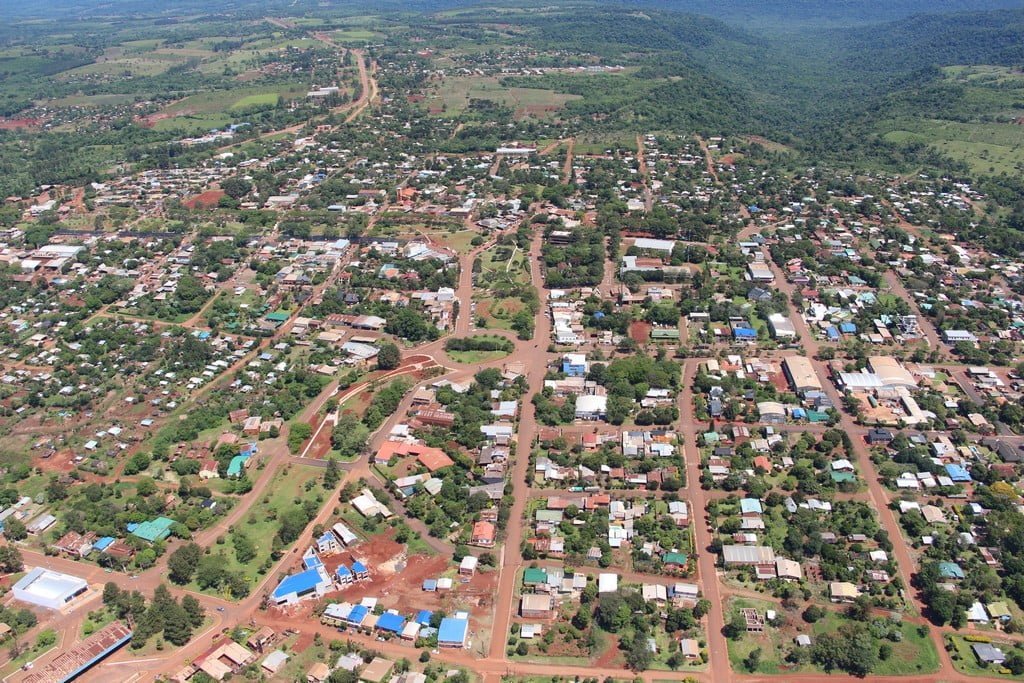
(454, 94)
(986, 147)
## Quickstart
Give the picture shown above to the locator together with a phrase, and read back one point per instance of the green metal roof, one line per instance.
(154, 529)
(535, 575)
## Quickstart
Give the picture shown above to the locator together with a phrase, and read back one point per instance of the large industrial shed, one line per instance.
(49, 589)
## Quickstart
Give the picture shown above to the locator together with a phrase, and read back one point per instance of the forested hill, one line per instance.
(776, 84)
(788, 14)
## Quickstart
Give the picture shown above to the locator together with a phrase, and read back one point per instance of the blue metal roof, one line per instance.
(312, 561)
(957, 472)
(101, 544)
(452, 630)
(430, 585)
(357, 614)
(300, 583)
(423, 617)
(744, 332)
(391, 622)
(343, 571)
(358, 567)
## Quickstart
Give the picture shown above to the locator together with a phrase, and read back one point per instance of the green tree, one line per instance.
(388, 356)
(11, 560)
(639, 656)
(14, 529)
(182, 563)
(196, 613)
(752, 660)
(245, 549)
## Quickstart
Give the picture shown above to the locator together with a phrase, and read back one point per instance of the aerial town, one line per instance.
(389, 362)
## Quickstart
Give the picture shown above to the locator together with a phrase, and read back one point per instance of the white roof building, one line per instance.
(607, 583)
(49, 589)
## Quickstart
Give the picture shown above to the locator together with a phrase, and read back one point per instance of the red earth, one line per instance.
(205, 200)
(11, 124)
(639, 331)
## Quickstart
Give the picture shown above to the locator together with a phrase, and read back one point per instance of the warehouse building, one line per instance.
(49, 589)
(801, 374)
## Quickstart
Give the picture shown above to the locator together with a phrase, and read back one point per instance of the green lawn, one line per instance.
(470, 357)
(966, 663)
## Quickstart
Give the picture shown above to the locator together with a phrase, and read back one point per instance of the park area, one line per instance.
(479, 348)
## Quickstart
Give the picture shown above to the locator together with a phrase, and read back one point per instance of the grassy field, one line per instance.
(501, 264)
(217, 101)
(914, 654)
(980, 124)
(459, 240)
(354, 35)
(986, 147)
(260, 524)
(90, 100)
(454, 94)
(218, 108)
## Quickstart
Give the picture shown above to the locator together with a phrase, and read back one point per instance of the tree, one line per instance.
(388, 357)
(1015, 663)
(813, 614)
(111, 593)
(137, 463)
(736, 627)
(753, 660)
(349, 436)
(182, 563)
(332, 473)
(196, 613)
(10, 559)
(245, 549)
(639, 656)
(852, 649)
(177, 624)
(14, 529)
(210, 571)
(293, 521)
(236, 188)
(297, 435)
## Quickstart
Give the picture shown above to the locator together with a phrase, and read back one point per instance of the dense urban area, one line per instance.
(520, 342)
